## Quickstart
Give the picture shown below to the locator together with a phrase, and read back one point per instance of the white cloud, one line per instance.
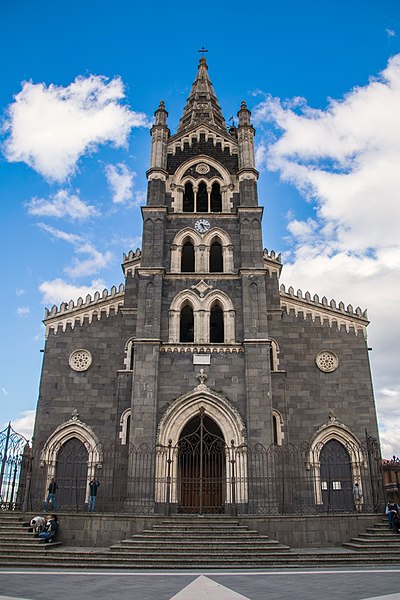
(344, 161)
(50, 128)
(71, 238)
(91, 265)
(4, 391)
(58, 290)
(62, 204)
(390, 32)
(25, 423)
(23, 311)
(120, 180)
(19, 292)
(302, 229)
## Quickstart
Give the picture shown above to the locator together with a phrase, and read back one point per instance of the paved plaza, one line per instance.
(355, 584)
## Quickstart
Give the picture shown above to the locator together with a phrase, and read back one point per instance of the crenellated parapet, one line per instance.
(272, 261)
(70, 314)
(178, 141)
(131, 261)
(328, 311)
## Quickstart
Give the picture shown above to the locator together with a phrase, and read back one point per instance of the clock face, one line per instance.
(202, 225)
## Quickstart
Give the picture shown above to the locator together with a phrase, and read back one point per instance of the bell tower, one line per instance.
(202, 282)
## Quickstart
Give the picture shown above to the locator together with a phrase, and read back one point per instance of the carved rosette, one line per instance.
(80, 360)
(327, 361)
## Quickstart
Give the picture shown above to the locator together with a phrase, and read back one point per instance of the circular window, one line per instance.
(327, 361)
(80, 360)
(202, 168)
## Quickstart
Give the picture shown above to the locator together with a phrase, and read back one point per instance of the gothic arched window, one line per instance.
(186, 328)
(202, 198)
(277, 427)
(187, 258)
(217, 335)
(216, 198)
(188, 198)
(216, 260)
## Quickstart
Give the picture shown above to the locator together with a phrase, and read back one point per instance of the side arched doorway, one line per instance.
(201, 466)
(72, 474)
(336, 477)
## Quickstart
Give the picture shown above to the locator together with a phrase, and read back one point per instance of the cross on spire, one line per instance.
(202, 50)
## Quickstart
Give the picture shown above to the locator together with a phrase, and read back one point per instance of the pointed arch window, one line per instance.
(202, 198)
(186, 329)
(187, 259)
(216, 198)
(277, 427)
(217, 334)
(216, 258)
(188, 198)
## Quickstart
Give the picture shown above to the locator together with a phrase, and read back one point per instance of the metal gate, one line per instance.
(201, 467)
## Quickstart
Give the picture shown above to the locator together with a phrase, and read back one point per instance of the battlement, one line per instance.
(93, 307)
(336, 314)
(131, 261)
(272, 261)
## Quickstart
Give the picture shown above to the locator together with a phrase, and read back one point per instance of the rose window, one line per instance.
(80, 360)
(327, 361)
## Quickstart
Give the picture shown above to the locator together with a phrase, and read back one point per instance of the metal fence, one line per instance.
(200, 474)
(15, 456)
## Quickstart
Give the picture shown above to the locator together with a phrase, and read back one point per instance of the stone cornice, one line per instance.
(199, 275)
(202, 348)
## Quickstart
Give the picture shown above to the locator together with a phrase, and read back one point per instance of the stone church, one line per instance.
(201, 384)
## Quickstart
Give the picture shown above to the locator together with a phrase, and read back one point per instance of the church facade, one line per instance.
(201, 383)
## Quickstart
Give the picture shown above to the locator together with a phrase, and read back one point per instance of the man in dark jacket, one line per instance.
(93, 487)
(51, 496)
(51, 529)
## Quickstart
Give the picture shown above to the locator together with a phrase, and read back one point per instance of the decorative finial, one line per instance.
(332, 416)
(75, 415)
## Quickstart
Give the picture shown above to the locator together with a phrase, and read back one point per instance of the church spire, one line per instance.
(202, 105)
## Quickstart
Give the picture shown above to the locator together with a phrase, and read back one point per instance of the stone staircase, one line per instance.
(193, 542)
(199, 541)
(378, 538)
(16, 536)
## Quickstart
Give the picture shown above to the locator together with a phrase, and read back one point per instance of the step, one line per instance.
(134, 543)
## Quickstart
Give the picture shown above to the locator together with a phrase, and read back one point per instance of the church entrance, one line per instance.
(336, 477)
(201, 466)
(71, 475)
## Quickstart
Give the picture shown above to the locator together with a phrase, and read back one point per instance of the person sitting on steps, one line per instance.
(51, 528)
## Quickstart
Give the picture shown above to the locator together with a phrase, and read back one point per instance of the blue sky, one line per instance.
(80, 83)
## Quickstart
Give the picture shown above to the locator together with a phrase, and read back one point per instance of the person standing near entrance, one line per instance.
(93, 487)
(358, 496)
(51, 496)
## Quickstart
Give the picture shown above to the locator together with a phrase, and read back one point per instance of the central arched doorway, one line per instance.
(336, 477)
(72, 474)
(201, 466)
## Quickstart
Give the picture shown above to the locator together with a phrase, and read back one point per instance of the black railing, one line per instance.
(202, 474)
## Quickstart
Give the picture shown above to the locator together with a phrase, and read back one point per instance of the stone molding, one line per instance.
(202, 349)
(334, 429)
(73, 428)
